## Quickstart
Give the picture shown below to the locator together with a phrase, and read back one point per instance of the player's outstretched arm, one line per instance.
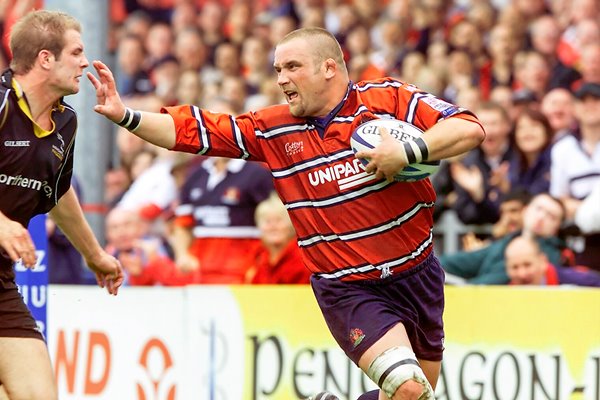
(69, 217)
(155, 128)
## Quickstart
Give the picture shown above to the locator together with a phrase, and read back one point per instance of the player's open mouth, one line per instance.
(291, 96)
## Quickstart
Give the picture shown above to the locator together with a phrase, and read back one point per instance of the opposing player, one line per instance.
(36, 160)
(368, 242)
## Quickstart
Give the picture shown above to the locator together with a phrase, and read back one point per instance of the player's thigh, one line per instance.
(395, 337)
(25, 369)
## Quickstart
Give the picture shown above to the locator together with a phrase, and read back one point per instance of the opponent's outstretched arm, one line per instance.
(155, 128)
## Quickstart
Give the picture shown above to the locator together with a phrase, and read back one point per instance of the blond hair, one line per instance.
(323, 44)
(37, 31)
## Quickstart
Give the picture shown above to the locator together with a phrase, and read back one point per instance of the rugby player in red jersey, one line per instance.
(36, 162)
(367, 240)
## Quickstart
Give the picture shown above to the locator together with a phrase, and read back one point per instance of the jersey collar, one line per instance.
(24, 106)
(321, 123)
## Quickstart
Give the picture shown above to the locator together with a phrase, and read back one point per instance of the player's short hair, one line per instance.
(37, 31)
(324, 44)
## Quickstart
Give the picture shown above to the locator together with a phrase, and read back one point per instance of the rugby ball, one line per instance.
(366, 136)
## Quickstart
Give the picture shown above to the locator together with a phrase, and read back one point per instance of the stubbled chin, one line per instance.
(294, 110)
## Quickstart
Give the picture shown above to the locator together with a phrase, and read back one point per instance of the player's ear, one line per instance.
(330, 68)
(45, 58)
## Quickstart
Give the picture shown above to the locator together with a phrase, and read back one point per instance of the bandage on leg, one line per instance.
(395, 366)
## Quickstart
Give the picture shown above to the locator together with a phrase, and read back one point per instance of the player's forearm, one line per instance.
(452, 137)
(69, 217)
(156, 128)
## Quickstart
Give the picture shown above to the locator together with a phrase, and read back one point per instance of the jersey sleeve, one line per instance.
(214, 134)
(425, 110)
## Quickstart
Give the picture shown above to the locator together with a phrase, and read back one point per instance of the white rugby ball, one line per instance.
(366, 136)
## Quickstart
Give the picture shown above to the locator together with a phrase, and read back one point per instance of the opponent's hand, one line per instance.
(107, 97)
(108, 271)
(16, 243)
(387, 159)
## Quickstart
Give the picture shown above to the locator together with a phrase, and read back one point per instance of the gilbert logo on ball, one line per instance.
(367, 136)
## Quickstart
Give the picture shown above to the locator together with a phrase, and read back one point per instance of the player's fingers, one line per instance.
(379, 174)
(100, 280)
(110, 80)
(94, 80)
(366, 154)
(24, 246)
(370, 167)
(109, 286)
(29, 258)
(101, 109)
(383, 132)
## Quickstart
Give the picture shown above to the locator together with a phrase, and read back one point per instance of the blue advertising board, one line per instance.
(33, 283)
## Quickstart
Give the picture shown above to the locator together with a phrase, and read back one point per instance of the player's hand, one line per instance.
(387, 159)
(107, 97)
(108, 270)
(16, 243)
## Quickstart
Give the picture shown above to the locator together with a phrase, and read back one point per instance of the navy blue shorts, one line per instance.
(15, 318)
(359, 313)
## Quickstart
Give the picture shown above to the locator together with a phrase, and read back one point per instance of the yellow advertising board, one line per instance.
(501, 343)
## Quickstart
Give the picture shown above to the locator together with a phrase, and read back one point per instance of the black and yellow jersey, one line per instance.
(35, 164)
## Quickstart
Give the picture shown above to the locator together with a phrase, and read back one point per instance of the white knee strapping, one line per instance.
(395, 366)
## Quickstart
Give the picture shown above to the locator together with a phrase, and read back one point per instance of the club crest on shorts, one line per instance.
(356, 336)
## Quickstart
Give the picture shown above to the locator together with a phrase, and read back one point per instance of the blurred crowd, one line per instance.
(529, 69)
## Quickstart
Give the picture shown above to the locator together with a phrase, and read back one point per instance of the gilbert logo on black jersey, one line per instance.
(16, 143)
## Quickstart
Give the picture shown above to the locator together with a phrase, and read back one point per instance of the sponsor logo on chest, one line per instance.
(292, 148)
(346, 174)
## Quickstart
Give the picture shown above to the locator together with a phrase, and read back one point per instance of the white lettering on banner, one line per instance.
(34, 295)
(40, 265)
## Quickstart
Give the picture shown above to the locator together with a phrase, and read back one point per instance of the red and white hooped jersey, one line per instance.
(350, 226)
